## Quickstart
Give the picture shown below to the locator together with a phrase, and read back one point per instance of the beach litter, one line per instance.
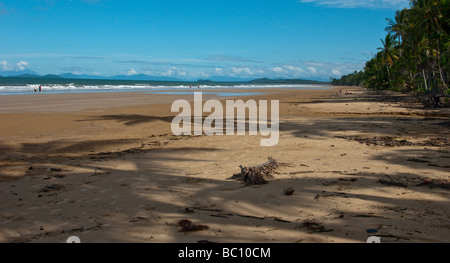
(288, 191)
(314, 227)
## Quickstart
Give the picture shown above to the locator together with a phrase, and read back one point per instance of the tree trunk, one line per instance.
(389, 75)
(425, 79)
(441, 72)
(441, 69)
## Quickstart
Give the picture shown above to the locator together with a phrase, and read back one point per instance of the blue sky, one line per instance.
(311, 39)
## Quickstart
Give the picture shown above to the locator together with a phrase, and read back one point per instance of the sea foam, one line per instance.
(74, 88)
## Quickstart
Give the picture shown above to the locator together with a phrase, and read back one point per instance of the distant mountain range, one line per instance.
(28, 74)
(34, 75)
(17, 73)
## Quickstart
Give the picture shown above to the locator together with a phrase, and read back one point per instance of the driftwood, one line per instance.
(257, 175)
(433, 101)
(187, 226)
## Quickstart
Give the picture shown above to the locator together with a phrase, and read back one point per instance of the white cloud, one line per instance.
(6, 66)
(132, 72)
(241, 71)
(168, 73)
(388, 4)
(336, 72)
(173, 71)
(278, 70)
(259, 72)
(219, 71)
(288, 71)
(22, 65)
(294, 70)
(312, 70)
(328, 69)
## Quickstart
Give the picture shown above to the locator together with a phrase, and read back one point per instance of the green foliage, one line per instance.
(354, 79)
(414, 55)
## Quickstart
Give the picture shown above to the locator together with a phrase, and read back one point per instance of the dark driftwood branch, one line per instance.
(258, 174)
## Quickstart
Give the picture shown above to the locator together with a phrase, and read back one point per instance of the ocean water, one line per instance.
(26, 87)
(220, 93)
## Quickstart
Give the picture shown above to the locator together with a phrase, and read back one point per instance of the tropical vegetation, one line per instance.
(414, 55)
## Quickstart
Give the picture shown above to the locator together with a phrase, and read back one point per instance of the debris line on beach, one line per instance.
(392, 183)
(187, 226)
(435, 183)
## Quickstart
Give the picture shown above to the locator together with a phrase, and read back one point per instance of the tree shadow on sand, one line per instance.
(130, 119)
(141, 197)
(140, 194)
(408, 138)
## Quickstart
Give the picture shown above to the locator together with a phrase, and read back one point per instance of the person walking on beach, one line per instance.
(40, 89)
(35, 89)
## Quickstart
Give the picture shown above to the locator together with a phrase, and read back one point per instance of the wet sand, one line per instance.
(105, 167)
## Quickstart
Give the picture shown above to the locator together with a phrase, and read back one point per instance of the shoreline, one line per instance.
(113, 172)
(92, 89)
(80, 101)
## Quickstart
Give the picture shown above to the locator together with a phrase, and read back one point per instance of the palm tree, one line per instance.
(388, 54)
(399, 27)
(416, 50)
(429, 21)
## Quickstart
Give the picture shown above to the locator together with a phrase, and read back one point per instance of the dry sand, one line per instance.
(105, 167)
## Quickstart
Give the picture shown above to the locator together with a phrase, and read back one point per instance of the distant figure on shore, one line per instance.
(198, 86)
(40, 89)
(190, 86)
(35, 89)
(340, 92)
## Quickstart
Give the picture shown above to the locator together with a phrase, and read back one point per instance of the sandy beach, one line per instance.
(106, 167)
